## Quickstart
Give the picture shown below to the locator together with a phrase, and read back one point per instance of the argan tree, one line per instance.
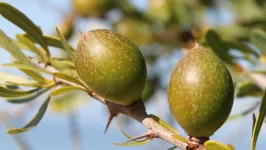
(112, 65)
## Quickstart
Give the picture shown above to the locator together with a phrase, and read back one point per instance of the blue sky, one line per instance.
(53, 131)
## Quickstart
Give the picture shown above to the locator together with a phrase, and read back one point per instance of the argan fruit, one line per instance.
(111, 65)
(159, 10)
(87, 8)
(200, 93)
(140, 32)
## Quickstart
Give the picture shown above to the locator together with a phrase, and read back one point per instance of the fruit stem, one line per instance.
(196, 143)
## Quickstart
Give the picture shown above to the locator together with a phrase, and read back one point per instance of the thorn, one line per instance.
(110, 118)
(147, 135)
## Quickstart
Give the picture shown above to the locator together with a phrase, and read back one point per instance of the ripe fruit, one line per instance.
(200, 92)
(111, 65)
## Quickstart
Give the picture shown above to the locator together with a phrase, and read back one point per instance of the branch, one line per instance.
(136, 111)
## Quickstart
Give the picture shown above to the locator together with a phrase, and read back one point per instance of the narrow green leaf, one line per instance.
(63, 90)
(26, 98)
(31, 46)
(254, 121)
(34, 121)
(18, 18)
(6, 92)
(52, 41)
(70, 79)
(242, 47)
(62, 63)
(214, 145)
(125, 134)
(134, 143)
(17, 80)
(258, 38)
(218, 46)
(7, 44)
(64, 43)
(34, 75)
(230, 147)
(172, 148)
(248, 89)
(26, 67)
(259, 122)
(163, 123)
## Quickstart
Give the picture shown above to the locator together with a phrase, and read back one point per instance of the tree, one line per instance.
(167, 24)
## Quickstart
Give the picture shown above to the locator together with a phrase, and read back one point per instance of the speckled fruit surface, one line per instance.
(200, 92)
(111, 65)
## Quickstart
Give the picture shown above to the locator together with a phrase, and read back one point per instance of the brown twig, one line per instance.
(136, 111)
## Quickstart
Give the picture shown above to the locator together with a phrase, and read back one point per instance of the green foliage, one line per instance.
(214, 145)
(34, 121)
(257, 122)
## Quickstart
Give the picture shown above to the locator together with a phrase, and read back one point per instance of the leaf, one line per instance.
(52, 41)
(258, 38)
(27, 98)
(34, 121)
(64, 43)
(259, 122)
(124, 133)
(134, 143)
(18, 18)
(230, 147)
(242, 47)
(214, 145)
(10, 79)
(62, 63)
(248, 89)
(6, 92)
(253, 123)
(26, 67)
(218, 46)
(163, 123)
(34, 75)
(63, 90)
(172, 148)
(7, 44)
(31, 46)
(70, 79)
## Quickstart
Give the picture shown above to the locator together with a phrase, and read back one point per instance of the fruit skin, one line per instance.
(111, 65)
(200, 93)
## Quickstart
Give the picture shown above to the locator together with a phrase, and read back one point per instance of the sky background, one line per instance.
(52, 133)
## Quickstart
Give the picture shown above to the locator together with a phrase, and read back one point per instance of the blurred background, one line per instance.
(164, 30)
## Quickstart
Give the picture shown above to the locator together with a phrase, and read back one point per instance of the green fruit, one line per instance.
(111, 65)
(136, 30)
(159, 10)
(87, 8)
(200, 93)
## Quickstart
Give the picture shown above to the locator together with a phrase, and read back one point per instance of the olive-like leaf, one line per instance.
(214, 145)
(26, 67)
(134, 143)
(30, 45)
(34, 121)
(18, 80)
(34, 75)
(125, 134)
(259, 122)
(62, 63)
(6, 92)
(248, 89)
(70, 79)
(258, 38)
(218, 46)
(7, 44)
(52, 41)
(64, 43)
(22, 21)
(26, 98)
(63, 90)
(242, 47)
(163, 123)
